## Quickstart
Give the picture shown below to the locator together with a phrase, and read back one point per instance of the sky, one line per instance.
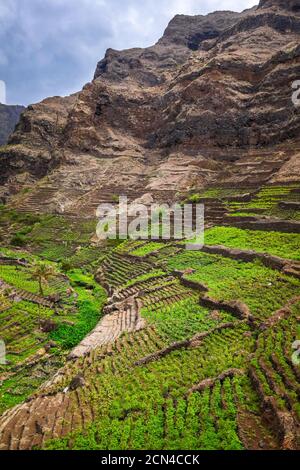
(51, 47)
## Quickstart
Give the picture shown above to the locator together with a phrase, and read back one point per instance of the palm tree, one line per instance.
(43, 273)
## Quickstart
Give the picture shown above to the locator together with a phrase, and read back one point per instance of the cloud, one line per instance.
(51, 47)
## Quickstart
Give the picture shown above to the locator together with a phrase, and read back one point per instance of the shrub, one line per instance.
(194, 198)
(18, 240)
(66, 266)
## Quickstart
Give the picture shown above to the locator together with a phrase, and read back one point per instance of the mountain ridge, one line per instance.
(206, 100)
(151, 344)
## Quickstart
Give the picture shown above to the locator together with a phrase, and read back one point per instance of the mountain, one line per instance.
(138, 344)
(9, 117)
(209, 103)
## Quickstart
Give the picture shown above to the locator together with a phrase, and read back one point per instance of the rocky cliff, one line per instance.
(9, 116)
(209, 104)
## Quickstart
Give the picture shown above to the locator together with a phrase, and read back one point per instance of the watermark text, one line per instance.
(152, 222)
(296, 94)
(2, 353)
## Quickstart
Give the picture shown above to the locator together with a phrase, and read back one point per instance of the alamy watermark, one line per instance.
(136, 221)
(2, 353)
(2, 92)
(296, 354)
(296, 94)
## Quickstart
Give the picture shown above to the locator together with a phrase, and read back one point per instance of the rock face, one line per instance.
(9, 116)
(209, 104)
(292, 5)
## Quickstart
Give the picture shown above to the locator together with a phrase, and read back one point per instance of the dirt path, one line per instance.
(125, 318)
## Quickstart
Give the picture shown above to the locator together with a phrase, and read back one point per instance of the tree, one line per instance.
(43, 273)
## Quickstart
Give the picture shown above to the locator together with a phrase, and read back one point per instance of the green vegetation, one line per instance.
(11, 215)
(272, 364)
(223, 193)
(20, 329)
(20, 385)
(127, 403)
(88, 257)
(23, 278)
(90, 301)
(42, 273)
(15, 227)
(262, 289)
(57, 237)
(266, 202)
(285, 245)
(149, 411)
(193, 199)
(144, 277)
(183, 319)
(27, 327)
(121, 270)
(148, 248)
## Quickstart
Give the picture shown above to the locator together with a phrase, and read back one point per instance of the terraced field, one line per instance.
(265, 204)
(277, 201)
(188, 350)
(39, 330)
(285, 245)
(166, 340)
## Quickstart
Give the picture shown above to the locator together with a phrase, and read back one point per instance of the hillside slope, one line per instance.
(209, 103)
(138, 344)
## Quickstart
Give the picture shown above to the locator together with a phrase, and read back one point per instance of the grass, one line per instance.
(266, 202)
(79, 312)
(223, 193)
(50, 236)
(183, 319)
(57, 237)
(285, 245)
(24, 340)
(147, 407)
(15, 227)
(20, 329)
(17, 253)
(90, 301)
(27, 380)
(262, 289)
(149, 411)
(86, 257)
(148, 249)
(20, 277)
(83, 307)
(144, 277)
(275, 343)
